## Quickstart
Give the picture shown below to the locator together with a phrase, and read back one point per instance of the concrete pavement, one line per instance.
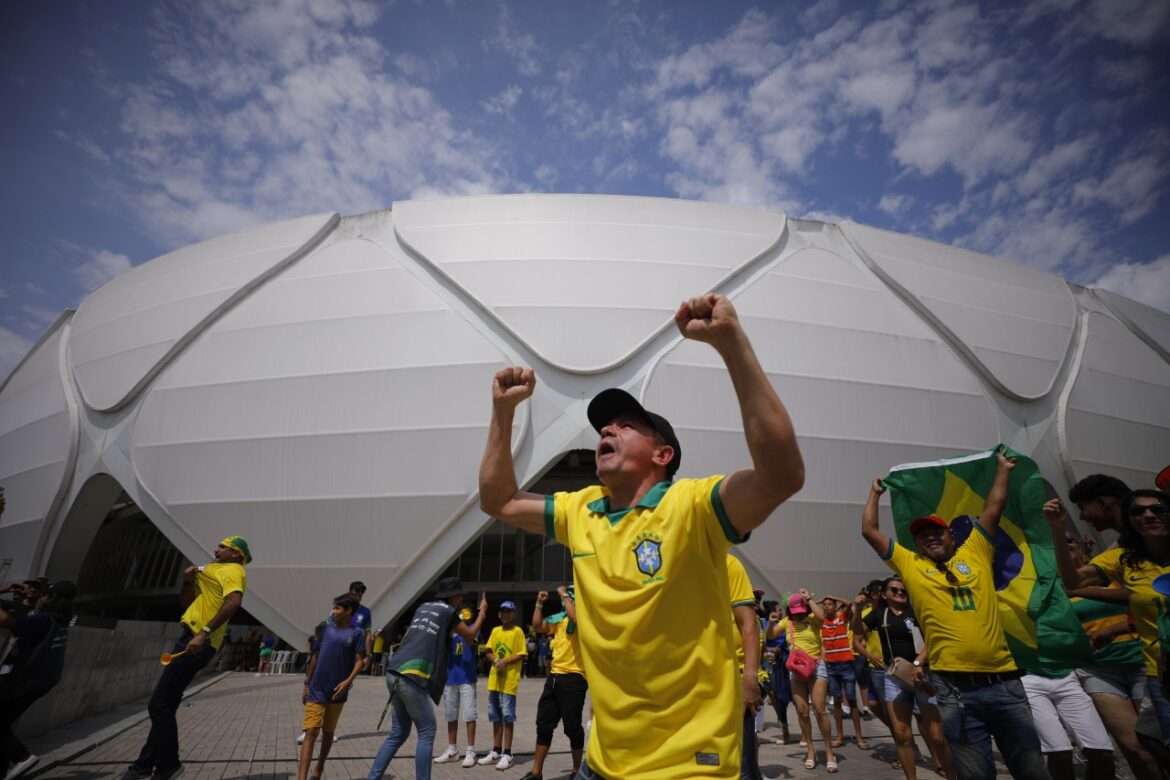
(243, 727)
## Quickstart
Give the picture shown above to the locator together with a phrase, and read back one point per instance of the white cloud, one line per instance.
(504, 101)
(893, 204)
(1135, 22)
(520, 47)
(1132, 186)
(1047, 168)
(1145, 282)
(266, 111)
(100, 268)
(13, 348)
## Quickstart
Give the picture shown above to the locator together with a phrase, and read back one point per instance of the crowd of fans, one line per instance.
(678, 653)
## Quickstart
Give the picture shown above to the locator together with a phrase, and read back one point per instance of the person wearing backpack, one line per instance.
(34, 669)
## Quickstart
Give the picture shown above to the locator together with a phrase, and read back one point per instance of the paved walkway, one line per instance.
(241, 726)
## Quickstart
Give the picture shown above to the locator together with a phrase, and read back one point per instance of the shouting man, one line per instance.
(649, 560)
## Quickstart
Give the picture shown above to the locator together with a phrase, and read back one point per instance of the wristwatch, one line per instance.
(206, 630)
(917, 664)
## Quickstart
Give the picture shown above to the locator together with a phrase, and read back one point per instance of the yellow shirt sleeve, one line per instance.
(232, 579)
(898, 558)
(978, 546)
(519, 642)
(1109, 563)
(710, 516)
(740, 584)
(557, 510)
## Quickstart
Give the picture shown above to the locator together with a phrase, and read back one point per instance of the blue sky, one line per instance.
(1038, 132)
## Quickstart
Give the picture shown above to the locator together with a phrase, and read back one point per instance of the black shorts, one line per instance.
(563, 699)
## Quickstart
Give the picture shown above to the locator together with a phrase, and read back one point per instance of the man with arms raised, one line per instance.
(952, 588)
(649, 560)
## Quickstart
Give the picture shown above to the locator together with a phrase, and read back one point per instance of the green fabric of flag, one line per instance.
(1041, 628)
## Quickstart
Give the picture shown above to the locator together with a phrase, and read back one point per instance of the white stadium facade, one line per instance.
(321, 386)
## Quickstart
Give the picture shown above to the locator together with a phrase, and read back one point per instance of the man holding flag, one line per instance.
(953, 589)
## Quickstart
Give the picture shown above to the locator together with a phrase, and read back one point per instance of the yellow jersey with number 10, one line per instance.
(959, 615)
(656, 634)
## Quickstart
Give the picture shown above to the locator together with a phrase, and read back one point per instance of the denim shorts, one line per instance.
(459, 700)
(1128, 682)
(877, 683)
(842, 682)
(896, 693)
(501, 707)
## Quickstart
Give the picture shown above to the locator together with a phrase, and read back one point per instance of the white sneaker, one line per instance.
(490, 758)
(20, 767)
(505, 762)
(450, 754)
(469, 759)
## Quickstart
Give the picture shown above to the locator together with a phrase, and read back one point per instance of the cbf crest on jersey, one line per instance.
(648, 555)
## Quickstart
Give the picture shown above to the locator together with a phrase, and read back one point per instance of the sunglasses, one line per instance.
(897, 591)
(950, 575)
(1158, 510)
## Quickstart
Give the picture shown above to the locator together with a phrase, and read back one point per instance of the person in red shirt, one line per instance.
(837, 645)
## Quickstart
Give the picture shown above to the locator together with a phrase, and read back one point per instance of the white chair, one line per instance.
(280, 662)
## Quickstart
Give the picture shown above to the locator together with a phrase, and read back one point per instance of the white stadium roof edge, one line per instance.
(320, 386)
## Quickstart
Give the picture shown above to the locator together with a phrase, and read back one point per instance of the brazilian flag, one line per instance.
(1040, 626)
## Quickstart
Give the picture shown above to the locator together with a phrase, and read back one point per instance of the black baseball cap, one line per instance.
(611, 403)
(448, 587)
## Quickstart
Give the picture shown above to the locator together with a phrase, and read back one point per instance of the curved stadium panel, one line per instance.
(320, 386)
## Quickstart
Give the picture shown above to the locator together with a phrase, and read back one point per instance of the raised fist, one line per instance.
(877, 487)
(542, 597)
(1005, 463)
(512, 385)
(709, 318)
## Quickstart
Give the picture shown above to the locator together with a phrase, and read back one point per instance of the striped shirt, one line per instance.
(835, 640)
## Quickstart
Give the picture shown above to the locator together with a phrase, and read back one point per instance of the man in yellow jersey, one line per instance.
(952, 588)
(212, 593)
(747, 656)
(649, 560)
(563, 698)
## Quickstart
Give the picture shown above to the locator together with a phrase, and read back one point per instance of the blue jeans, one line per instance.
(971, 717)
(842, 682)
(501, 707)
(410, 704)
(1158, 698)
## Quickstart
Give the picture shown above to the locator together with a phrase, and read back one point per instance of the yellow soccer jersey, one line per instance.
(566, 653)
(805, 634)
(873, 642)
(960, 618)
(213, 583)
(656, 633)
(504, 642)
(1109, 563)
(742, 595)
(1145, 605)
